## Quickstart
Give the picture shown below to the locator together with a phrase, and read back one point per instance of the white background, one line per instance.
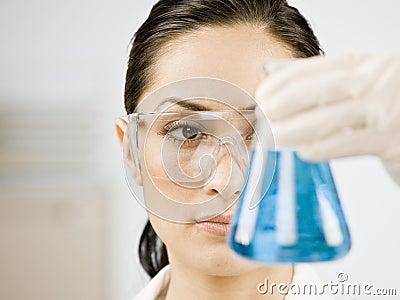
(70, 56)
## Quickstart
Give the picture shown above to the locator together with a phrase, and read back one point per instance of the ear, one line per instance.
(120, 128)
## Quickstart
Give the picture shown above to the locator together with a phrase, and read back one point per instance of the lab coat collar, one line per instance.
(304, 274)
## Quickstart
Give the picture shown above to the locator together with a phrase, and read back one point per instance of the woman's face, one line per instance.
(232, 54)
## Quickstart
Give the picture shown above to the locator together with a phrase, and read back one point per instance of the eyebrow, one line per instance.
(188, 104)
(193, 106)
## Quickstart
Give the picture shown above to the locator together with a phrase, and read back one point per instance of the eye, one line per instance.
(248, 133)
(184, 131)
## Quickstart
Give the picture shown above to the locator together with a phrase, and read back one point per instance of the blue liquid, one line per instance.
(311, 241)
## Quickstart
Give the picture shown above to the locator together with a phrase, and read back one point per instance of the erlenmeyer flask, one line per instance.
(298, 217)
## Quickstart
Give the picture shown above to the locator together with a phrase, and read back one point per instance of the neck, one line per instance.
(189, 283)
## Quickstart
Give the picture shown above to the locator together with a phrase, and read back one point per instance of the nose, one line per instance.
(228, 178)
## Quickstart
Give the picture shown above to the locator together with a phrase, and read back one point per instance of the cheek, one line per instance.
(186, 240)
(152, 157)
(174, 235)
(159, 183)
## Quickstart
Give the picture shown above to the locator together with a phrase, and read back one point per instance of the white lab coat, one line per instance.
(303, 274)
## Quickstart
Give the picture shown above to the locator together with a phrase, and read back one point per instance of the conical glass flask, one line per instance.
(291, 213)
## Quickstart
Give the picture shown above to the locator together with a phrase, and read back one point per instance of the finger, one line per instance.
(318, 123)
(344, 144)
(283, 72)
(308, 93)
(309, 71)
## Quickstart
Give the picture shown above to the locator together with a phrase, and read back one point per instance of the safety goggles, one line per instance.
(191, 144)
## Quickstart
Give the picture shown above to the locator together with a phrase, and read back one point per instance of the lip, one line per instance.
(218, 225)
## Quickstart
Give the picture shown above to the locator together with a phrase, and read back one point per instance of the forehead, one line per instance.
(233, 54)
(198, 94)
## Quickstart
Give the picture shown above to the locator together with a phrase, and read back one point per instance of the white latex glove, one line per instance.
(331, 107)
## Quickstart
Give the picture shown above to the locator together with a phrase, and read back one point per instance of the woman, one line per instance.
(227, 40)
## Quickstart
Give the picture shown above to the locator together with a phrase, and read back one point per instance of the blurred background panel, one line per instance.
(52, 245)
(66, 216)
(69, 227)
(53, 203)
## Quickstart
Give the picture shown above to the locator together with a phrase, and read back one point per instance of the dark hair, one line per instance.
(170, 19)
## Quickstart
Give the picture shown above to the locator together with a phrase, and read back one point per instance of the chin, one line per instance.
(222, 261)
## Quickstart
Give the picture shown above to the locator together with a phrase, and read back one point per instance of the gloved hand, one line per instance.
(330, 107)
